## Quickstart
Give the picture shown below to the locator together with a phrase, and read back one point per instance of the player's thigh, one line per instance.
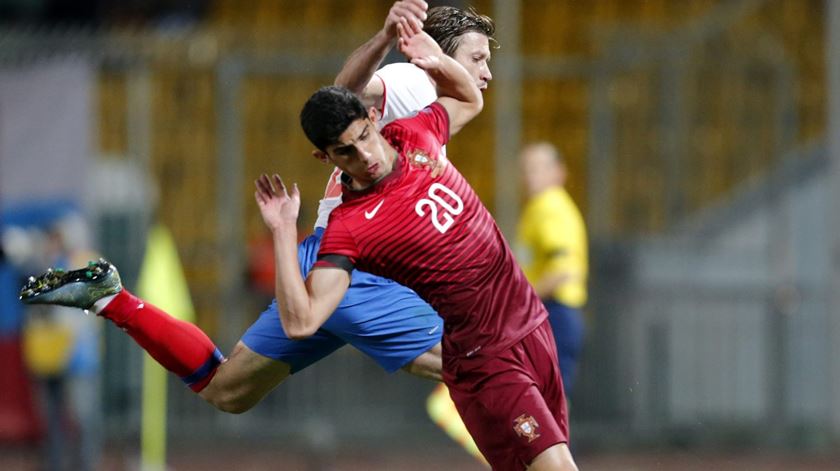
(427, 364)
(508, 418)
(513, 402)
(244, 379)
(267, 338)
(390, 324)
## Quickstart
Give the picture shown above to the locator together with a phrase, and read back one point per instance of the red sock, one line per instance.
(178, 346)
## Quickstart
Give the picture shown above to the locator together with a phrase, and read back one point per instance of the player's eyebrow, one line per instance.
(343, 146)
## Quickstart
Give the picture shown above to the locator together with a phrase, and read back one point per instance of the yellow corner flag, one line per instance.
(163, 284)
(162, 280)
(443, 412)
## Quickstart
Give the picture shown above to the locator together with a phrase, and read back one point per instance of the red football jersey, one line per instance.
(437, 238)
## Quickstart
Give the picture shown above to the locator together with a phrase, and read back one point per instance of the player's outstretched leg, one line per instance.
(178, 346)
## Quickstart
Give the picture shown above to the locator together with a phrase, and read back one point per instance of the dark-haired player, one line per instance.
(431, 234)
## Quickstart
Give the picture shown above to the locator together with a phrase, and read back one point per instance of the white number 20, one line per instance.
(441, 220)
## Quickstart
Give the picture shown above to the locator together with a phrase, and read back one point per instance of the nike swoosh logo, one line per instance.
(372, 213)
(434, 329)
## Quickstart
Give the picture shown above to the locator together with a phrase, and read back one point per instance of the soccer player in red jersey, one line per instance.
(404, 218)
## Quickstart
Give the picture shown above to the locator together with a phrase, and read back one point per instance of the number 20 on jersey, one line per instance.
(441, 211)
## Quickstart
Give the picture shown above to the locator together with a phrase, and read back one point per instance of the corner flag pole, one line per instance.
(163, 284)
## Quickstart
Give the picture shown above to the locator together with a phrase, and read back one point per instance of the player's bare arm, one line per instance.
(357, 73)
(456, 89)
(303, 305)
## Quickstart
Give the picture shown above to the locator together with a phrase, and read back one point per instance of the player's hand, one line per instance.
(414, 11)
(279, 209)
(418, 46)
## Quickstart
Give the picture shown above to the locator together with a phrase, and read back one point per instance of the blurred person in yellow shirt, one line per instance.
(552, 249)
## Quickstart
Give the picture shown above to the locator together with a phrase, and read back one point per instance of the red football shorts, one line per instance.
(513, 403)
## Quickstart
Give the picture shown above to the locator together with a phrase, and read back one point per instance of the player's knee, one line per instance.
(231, 402)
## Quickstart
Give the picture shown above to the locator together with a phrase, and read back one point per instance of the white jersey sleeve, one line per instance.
(407, 90)
(332, 198)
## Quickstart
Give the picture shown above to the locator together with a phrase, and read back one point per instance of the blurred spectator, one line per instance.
(18, 419)
(62, 349)
(552, 249)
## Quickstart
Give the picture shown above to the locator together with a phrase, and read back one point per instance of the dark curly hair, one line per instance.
(328, 113)
(447, 24)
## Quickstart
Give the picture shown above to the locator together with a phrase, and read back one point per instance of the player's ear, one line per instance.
(321, 155)
(373, 115)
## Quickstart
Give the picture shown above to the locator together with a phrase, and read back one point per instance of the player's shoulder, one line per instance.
(351, 206)
(401, 70)
(343, 210)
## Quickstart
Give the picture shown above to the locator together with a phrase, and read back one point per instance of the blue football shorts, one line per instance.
(381, 318)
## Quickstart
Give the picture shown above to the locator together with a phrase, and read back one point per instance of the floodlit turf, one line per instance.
(212, 458)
